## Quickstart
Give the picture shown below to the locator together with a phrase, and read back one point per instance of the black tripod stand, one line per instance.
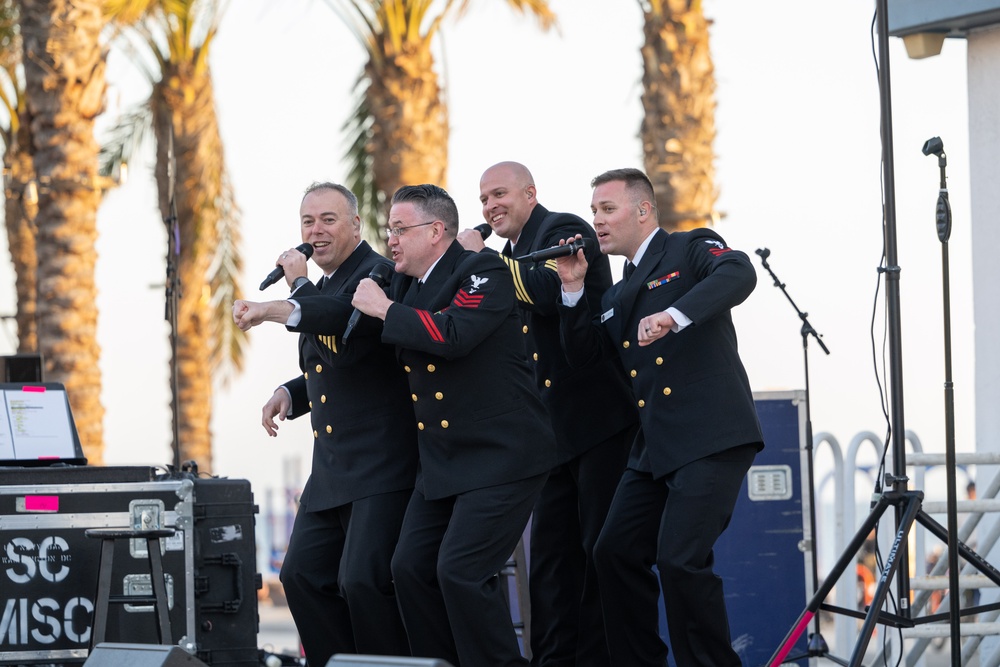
(817, 646)
(906, 503)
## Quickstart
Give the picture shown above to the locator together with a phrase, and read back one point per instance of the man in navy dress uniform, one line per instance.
(336, 573)
(591, 410)
(485, 441)
(669, 322)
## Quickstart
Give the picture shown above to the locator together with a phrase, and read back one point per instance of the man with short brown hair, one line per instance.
(669, 321)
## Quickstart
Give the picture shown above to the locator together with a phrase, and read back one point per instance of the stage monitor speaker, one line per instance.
(21, 368)
(766, 574)
(140, 655)
(347, 660)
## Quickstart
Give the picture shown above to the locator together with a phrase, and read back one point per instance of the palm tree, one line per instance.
(399, 131)
(678, 126)
(196, 195)
(20, 204)
(64, 91)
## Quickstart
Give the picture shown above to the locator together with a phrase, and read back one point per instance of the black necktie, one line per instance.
(629, 268)
(321, 283)
(411, 293)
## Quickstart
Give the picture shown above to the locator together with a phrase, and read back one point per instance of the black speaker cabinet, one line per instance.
(141, 655)
(49, 568)
(346, 660)
(21, 368)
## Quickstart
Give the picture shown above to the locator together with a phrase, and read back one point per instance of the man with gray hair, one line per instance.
(336, 572)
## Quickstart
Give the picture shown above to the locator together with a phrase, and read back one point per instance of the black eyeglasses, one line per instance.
(398, 231)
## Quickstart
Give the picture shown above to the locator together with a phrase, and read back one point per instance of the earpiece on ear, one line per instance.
(642, 211)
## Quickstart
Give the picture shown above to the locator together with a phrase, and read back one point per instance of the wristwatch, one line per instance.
(299, 282)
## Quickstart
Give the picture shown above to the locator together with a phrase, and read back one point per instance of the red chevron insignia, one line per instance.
(718, 251)
(465, 300)
(432, 329)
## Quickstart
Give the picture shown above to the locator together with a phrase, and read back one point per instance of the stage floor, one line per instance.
(277, 634)
(277, 630)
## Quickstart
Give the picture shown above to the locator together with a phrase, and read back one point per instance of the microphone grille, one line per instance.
(485, 230)
(306, 249)
(380, 274)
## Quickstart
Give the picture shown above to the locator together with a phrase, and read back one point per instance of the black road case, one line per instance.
(49, 568)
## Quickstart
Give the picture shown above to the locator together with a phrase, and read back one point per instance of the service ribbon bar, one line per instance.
(652, 284)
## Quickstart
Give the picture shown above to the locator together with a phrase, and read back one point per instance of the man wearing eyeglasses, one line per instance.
(484, 438)
(336, 572)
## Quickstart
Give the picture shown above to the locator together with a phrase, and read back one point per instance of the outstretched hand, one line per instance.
(248, 314)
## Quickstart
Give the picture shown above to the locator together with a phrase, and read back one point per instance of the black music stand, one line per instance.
(37, 426)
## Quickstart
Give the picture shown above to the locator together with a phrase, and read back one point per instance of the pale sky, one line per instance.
(798, 170)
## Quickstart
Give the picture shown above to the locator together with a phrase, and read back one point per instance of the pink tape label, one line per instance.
(41, 503)
(37, 390)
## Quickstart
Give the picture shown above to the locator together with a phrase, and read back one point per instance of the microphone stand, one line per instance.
(817, 645)
(905, 503)
(943, 222)
(173, 295)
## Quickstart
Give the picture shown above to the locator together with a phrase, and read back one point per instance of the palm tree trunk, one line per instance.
(678, 126)
(184, 104)
(410, 129)
(20, 209)
(64, 87)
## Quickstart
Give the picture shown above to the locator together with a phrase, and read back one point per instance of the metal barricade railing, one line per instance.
(973, 630)
(844, 476)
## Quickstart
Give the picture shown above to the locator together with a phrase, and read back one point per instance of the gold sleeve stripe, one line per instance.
(329, 341)
(515, 272)
(551, 265)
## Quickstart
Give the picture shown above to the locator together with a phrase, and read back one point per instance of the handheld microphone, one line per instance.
(763, 252)
(380, 274)
(557, 251)
(279, 271)
(485, 230)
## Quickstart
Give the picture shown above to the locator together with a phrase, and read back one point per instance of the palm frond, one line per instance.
(538, 8)
(10, 106)
(11, 84)
(211, 30)
(224, 276)
(140, 45)
(435, 24)
(358, 21)
(128, 12)
(360, 168)
(125, 138)
(10, 33)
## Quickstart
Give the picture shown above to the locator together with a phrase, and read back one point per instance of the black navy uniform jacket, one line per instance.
(691, 389)
(592, 402)
(480, 422)
(362, 418)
